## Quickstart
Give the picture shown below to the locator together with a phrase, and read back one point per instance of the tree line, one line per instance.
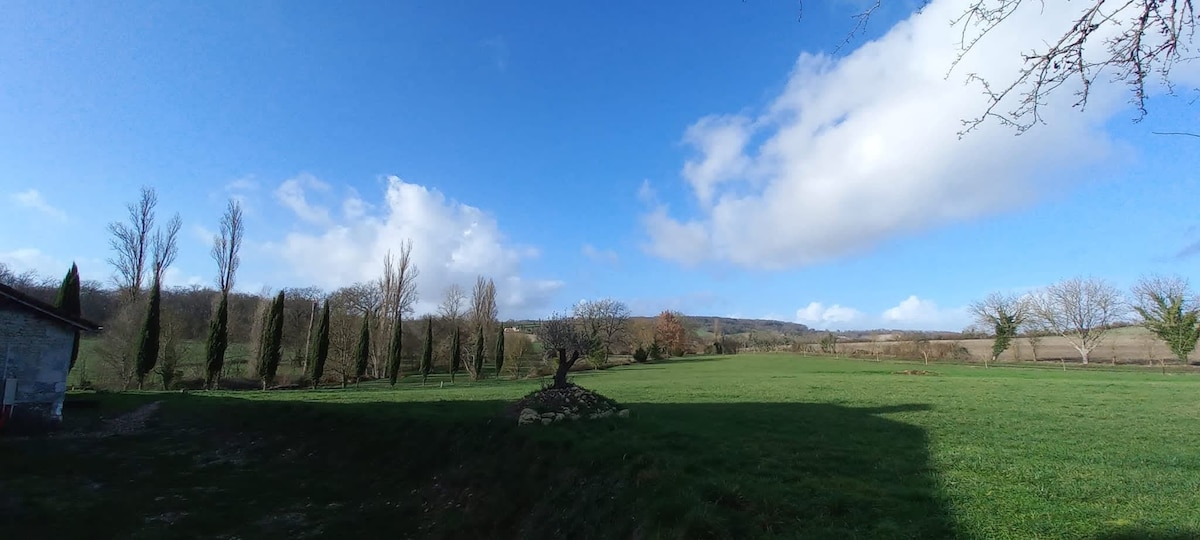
(1084, 310)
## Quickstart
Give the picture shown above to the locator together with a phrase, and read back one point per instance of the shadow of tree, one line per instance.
(269, 468)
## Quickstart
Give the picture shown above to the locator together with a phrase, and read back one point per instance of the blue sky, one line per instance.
(716, 158)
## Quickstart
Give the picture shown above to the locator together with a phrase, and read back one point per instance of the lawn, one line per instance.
(734, 447)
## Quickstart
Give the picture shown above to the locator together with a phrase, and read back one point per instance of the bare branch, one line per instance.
(1153, 36)
(130, 244)
(227, 244)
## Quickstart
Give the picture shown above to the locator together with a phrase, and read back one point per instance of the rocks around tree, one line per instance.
(571, 403)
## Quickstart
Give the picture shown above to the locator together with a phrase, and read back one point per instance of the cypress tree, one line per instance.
(499, 351)
(427, 354)
(479, 348)
(68, 302)
(272, 342)
(455, 354)
(147, 355)
(362, 350)
(218, 341)
(393, 356)
(319, 351)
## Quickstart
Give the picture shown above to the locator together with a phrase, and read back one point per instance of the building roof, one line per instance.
(39, 307)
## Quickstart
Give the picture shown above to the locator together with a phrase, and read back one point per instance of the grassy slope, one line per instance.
(745, 446)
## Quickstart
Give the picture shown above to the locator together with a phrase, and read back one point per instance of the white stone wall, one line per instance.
(37, 352)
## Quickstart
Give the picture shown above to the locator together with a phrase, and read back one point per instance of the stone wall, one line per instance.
(37, 352)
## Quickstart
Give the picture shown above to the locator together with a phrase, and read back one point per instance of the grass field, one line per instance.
(732, 447)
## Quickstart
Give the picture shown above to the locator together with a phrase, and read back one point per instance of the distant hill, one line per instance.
(704, 325)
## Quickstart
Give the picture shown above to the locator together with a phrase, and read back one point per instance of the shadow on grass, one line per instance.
(211, 466)
(256, 469)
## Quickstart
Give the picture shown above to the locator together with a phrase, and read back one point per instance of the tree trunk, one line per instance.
(1084, 355)
(564, 366)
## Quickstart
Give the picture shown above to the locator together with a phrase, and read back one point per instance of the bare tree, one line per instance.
(606, 321)
(1169, 309)
(1003, 314)
(1079, 309)
(131, 244)
(227, 244)
(483, 311)
(398, 295)
(166, 247)
(451, 307)
(567, 338)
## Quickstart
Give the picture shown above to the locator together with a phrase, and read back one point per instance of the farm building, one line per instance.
(35, 354)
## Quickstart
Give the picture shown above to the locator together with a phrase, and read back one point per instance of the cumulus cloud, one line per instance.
(291, 194)
(32, 198)
(452, 244)
(860, 149)
(915, 313)
(834, 316)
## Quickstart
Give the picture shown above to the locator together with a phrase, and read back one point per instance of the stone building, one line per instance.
(35, 354)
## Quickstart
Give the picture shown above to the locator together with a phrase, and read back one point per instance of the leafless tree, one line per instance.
(568, 339)
(1082, 310)
(607, 320)
(451, 307)
(166, 247)
(131, 244)
(398, 295)
(483, 311)
(1131, 41)
(227, 244)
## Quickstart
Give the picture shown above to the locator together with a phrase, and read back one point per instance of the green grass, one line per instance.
(735, 447)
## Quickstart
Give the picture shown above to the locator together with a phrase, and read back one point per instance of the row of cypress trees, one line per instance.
(271, 340)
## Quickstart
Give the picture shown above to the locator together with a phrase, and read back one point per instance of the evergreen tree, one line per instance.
(68, 302)
(218, 341)
(479, 351)
(319, 351)
(147, 354)
(427, 354)
(362, 350)
(393, 356)
(272, 349)
(499, 350)
(455, 354)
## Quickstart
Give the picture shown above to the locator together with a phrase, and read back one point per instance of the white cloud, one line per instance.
(834, 316)
(646, 193)
(914, 313)
(606, 256)
(30, 259)
(291, 194)
(860, 149)
(245, 183)
(32, 198)
(452, 243)
(175, 277)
